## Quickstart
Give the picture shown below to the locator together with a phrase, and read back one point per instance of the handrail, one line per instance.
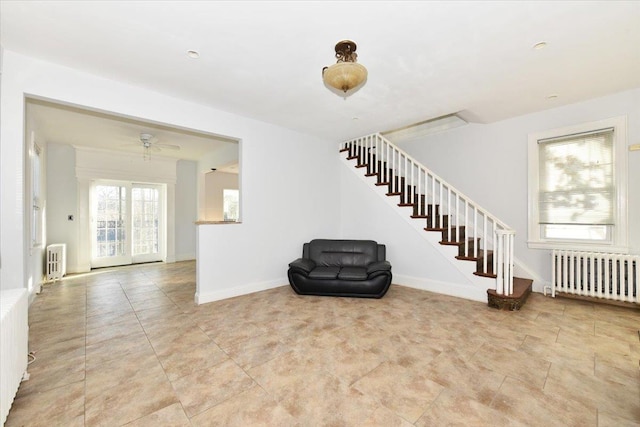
(396, 167)
(437, 177)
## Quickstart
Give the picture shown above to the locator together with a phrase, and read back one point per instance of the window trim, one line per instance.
(619, 232)
(37, 217)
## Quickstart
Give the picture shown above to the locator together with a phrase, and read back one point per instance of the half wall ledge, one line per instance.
(217, 222)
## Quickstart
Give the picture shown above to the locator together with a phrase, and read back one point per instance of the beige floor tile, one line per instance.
(171, 415)
(407, 393)
(256, 351)
(347, 361)
(104, 320)
(625, 333)
(116, 330)
(182, 361)
(531, 406)
(531, 370)
(594, 392)
(593, 343)
(228, 335)
(276, 375)
(618, 368)
(174, 340)
(62, 406)
(385, 417)
(206, 388)
(455, 372)
(252, 407)
(129, 400)
(59, 349)
(130, 367)
(322, 396)
(455, 408)
(115, 348)
(278, 358)
(157, 302)
(46, 374)
(607, 419)
(559, 354)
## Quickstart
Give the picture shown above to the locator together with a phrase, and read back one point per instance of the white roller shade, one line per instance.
(577, 179)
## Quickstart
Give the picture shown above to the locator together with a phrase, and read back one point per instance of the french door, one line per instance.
(127, 223)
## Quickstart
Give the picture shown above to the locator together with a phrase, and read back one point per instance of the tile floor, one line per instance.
(128, 346)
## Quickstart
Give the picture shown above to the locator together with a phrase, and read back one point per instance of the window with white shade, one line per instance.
(577, 187)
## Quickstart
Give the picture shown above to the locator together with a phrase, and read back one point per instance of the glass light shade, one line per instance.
(344, 76)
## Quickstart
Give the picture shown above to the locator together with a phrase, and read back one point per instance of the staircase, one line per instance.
(479, 237)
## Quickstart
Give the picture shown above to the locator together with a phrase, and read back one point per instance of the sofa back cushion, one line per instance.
(344, 253)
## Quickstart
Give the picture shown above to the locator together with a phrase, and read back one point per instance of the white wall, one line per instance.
(289, 195)
(489, 164)
(288, 179)
(186, 211)
(62, 200)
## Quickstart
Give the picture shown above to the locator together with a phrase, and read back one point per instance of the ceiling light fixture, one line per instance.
(193, 54)
(346, 74)
(540, 45)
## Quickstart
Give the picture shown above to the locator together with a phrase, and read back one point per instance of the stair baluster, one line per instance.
(431, 198)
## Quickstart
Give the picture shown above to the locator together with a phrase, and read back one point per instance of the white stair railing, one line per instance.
(444, 207)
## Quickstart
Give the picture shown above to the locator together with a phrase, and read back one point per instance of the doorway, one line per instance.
(128, 223)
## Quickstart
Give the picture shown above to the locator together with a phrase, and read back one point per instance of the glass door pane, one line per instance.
(146, 223)
(110, 224)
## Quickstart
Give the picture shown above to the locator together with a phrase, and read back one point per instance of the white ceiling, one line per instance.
(62, 124)
(264, 59)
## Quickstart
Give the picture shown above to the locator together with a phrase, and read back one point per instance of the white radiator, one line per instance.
(56, 261)
(595, 274)
(14, 341)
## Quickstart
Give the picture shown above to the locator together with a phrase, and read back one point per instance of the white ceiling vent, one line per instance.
(422, 129)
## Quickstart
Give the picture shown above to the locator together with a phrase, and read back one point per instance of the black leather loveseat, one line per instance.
(350, 268)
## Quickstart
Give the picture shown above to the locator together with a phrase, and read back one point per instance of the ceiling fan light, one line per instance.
(346, 74)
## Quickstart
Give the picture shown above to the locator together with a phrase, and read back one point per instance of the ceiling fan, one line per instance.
(150, 143)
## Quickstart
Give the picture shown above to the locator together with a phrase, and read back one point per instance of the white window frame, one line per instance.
(36, 195)
(618, 233)
(224, 210)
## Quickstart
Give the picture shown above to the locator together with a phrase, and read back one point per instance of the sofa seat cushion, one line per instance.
(353, 273)
(321, 272)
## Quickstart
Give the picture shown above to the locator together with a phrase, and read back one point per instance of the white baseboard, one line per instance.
(466, 291)
(185, 257)
(202, 298)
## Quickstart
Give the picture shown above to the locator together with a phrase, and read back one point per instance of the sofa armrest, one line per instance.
(378, 266)
(303, 264)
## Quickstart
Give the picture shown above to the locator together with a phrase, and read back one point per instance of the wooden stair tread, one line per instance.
(478, 258)
(481, 274)
(452, 243)
(342, 150)
(352, 157)
(371, 174)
